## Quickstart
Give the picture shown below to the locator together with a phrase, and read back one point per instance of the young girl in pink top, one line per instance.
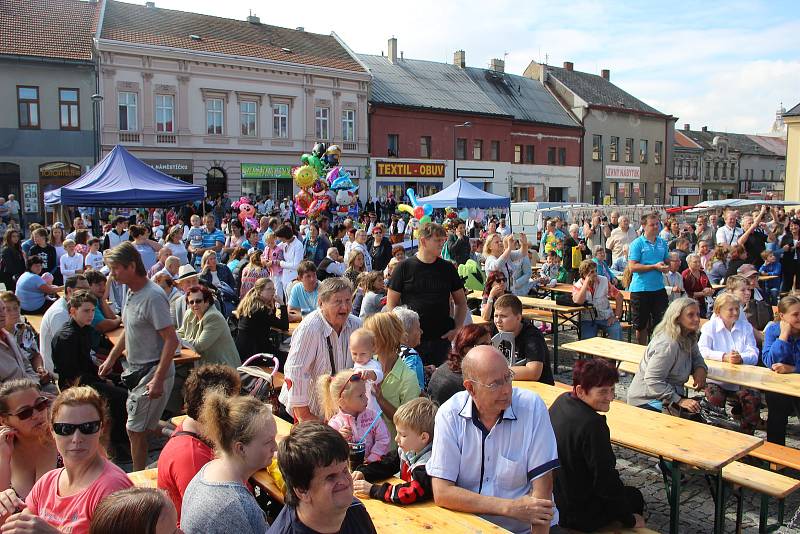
(272, 257)
(344, 397)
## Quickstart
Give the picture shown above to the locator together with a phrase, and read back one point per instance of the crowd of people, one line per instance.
(384, 372)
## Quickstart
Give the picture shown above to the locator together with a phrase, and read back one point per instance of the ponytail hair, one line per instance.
(230, 420)
(330, 389)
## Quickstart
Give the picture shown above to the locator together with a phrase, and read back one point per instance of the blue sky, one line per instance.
(725, 65)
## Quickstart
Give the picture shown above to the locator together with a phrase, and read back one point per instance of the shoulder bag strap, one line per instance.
(330, 355)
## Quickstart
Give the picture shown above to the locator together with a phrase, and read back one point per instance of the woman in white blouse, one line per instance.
(728, 337)
(293, 251)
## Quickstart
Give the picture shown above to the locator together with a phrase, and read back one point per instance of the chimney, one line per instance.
(705, 128)
(253, 19)
(393, 50)
(497, 65)
(568, 65)
(149, 4)
(460, 59)
(401, 55)
(686, 127)
(605, 74)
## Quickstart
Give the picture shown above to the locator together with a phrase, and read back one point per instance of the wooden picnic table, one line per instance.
(748, 376)
(390, 518)
(681, 441)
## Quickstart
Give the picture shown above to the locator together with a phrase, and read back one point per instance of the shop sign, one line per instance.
(409, 169)
(685, 191)
(615, 172)
(172, 166)
(636, 188)
(60, 169)
(266, 171)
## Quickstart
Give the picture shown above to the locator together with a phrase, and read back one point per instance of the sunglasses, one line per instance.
(42, 403)
(353, 378)
(68, 429)
(193, 302)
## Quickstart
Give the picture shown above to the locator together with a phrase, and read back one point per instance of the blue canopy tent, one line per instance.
(121, 180)
(462, 194)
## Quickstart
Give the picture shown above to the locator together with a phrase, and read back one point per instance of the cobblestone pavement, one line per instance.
(697, 506)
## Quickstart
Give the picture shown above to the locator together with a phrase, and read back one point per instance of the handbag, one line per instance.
(257, 381)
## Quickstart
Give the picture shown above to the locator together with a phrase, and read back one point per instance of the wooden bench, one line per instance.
(764, 482)
(146, 478)
(616, 530)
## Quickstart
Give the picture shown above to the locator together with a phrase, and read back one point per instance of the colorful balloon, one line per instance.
(425, 219)
(427, 209)
(304, 176)
(412, 196)
(405, 208)
(419, 212)
(302, 200)
(463, 214)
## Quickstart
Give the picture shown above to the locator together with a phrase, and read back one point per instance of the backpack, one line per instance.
(472, 275)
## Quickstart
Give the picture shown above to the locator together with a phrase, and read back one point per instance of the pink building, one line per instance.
(224, 103)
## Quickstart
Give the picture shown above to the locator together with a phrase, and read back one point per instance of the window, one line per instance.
(771, 173)
(349, 125)
(708, 169)
(425, 147)
(280, 120)
(677, 168)
(28, 106)
(562, 156)
(393, 143)
(763, 174)
(165, 113)
(642, 150)
(214, 116)
(733, 170)
(461, 148)
(127, 112)
(530, 154)
(614, 148)
(495, 155)
(716, 169)
(695, 166)
(725, 170)
(517, 153)
(657, 154)
(629, 150)
(597, 147)
(68, 109)
(687, 166)
(321, 122)
(551, 155)
(477, 149)
(248, 117)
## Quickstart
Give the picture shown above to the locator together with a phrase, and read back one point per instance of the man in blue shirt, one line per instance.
(648, 259)
(213, 239)
(303, 297)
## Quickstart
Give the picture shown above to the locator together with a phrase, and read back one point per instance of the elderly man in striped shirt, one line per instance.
(320, 345)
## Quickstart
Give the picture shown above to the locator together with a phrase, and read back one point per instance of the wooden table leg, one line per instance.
(555, 343)
(673, 487)
(719, 505)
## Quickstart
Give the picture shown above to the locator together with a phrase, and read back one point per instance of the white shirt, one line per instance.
(94, 260)
(70, 264)
(372, 365)
(54, 318)
(356, 246)
(309, 359)
(618, 239)
(336, 268)
(727, 236)
(292, 256)
(716, 340)
(519, 448)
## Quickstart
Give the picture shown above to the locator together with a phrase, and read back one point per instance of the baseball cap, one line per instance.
(747, 270)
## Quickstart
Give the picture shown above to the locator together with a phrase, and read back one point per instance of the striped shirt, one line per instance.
(309, 359)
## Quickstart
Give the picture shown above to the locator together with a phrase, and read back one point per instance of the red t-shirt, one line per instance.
(178, 463)
(73, 514)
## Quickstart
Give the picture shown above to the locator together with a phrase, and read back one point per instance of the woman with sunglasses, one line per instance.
(64, 499)
(380, 248)
(27, 450)
(206, 330)
(496, 286)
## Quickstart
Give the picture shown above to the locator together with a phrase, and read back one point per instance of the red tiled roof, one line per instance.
(165, 27)
(682, 140)
(48, 28)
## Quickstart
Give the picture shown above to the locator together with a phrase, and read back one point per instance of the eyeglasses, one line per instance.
(494, 386)
(42, 403)
(353, 378)
(68, 429)
(193, 302)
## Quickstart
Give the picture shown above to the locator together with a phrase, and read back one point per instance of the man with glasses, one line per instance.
(528, 355)
(494, 449)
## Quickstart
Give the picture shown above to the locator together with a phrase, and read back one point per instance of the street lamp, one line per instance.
(97, 99)
(467, 124)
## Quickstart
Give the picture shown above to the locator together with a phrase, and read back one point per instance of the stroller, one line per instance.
(259, 381)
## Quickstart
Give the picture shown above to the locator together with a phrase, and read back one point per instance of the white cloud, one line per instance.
(725, 66)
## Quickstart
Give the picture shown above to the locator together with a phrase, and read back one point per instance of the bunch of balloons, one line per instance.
(314, 197)
(421, 212)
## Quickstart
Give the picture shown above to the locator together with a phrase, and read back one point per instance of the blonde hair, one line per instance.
(487, 245)
(785, 303)
(68, 243)
(725, 299)
(418, 415)
(362, 333)
(388, 331)
(736, 281)
(206, 255)
(230, 420)
(670, 325)
(351, 260)
(251, 303)
(330, 390)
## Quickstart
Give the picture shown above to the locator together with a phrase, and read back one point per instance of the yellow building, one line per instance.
(792, 120)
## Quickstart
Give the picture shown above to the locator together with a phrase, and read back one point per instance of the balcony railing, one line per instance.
(169, 139)
(130, 137)
(350, 146)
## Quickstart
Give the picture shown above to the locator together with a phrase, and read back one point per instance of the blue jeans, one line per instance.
(590, 328)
